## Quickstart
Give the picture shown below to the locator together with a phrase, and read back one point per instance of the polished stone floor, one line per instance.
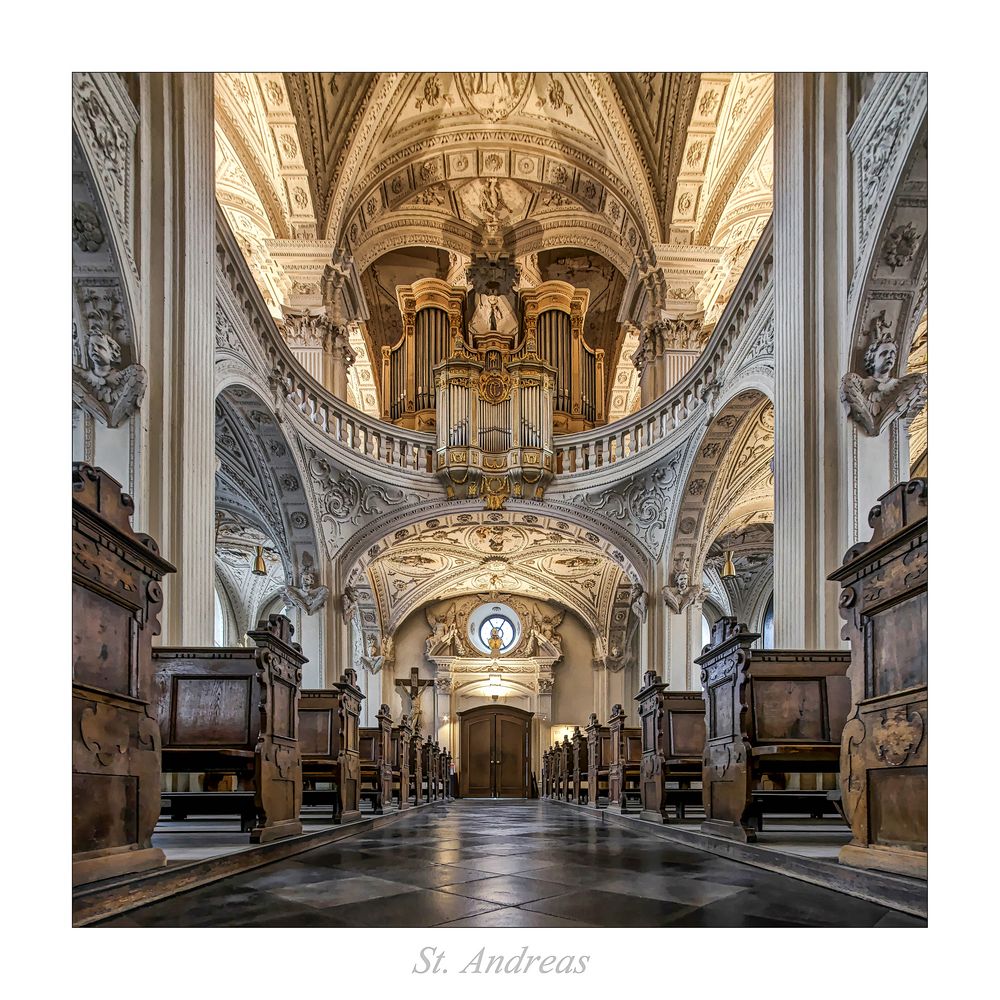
(483, 863)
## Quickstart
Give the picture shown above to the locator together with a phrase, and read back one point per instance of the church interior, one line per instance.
(499, 499)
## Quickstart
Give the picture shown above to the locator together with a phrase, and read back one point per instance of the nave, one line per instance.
(509, 863)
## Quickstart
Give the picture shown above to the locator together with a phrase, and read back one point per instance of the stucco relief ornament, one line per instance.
(309, 596)
(113, 391)
(493, 96)
(877, 399)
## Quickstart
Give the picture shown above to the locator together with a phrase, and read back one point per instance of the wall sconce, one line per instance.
(728, 569)
(444, 718)
(259, 568)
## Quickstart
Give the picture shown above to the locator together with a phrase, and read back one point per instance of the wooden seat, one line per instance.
(235, 711)
(673, 744)
(328, 735)
(115, 739)
(883, 756)
(767, 712)
(598, 762)
(375, 748)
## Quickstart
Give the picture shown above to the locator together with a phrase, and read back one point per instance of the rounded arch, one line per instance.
(726, 455)
(368, 543)
(888, 292)
(259, 476)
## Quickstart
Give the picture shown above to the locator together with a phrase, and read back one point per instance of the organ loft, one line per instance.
(500, 499)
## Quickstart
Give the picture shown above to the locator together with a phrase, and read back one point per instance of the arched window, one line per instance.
(767, 638)
(706, 630)
(219, 637)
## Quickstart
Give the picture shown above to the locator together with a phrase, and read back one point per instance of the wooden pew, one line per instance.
(446, 772)
(400, 760)
(626, 758)
(673, 745)
(115, 738)
(427, 769)
(767, 712)
(416, 795)
(328, 740)
(235, 711)
(598, 762)
(375, 745)
(883, 757)
(578, 767)
(435, 770)
(543, 780)
(565, 769)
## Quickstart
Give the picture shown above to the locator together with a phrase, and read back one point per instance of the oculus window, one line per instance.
(494, 619)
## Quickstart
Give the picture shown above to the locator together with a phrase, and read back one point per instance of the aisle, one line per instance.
(509, 863)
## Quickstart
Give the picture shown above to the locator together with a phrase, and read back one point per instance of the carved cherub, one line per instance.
(309, 596)
(119, 390)
(880, 397)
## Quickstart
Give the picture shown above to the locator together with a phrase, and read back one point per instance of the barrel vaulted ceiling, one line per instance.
(584, 171)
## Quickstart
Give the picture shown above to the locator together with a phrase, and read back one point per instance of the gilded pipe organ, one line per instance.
(495, 372)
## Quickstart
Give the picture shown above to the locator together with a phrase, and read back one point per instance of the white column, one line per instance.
(812, 441)
(177, 436)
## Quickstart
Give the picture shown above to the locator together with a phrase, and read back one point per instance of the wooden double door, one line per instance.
(496, 753)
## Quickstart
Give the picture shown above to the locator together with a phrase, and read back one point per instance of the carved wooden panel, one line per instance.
(884, 751)
(767, 711)
(235, 711)
(115, 744)
(211, 711)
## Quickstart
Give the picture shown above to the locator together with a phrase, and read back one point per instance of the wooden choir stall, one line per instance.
(768, 712)
(578, 773)
(883, 755)
(375, 746)
(626, 756)
(235, 711)
(673, 745)
(115, 738)
(400, 759)
(598, 762)
(328, 740)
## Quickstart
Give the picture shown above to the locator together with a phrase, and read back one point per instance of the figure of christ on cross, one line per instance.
(413, 689)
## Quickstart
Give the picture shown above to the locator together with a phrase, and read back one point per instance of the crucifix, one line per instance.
(413, 689)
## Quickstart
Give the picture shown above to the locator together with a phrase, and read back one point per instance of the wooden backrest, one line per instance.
(217, 697)
(116, 590)
(579, 743)
(884, 597)
(624, 745)
(769, 696)
(401, 736)
(598, 743)
(672, 722)
(684, 724)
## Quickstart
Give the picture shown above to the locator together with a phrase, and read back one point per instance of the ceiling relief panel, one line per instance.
(468, 553)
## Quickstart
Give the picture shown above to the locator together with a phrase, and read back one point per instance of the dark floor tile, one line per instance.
(508, 890)
(512, 916)
(420, 908)
(893, 918)
(500, 865)
(609, 909)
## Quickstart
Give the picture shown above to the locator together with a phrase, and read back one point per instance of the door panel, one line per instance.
(495, 753)
(479, 756)
(510, 754)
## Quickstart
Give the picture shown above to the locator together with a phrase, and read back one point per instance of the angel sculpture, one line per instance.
(874, 400)
(308, 596)
(118, 391)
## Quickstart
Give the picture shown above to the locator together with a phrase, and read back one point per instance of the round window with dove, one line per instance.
(494, 629)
